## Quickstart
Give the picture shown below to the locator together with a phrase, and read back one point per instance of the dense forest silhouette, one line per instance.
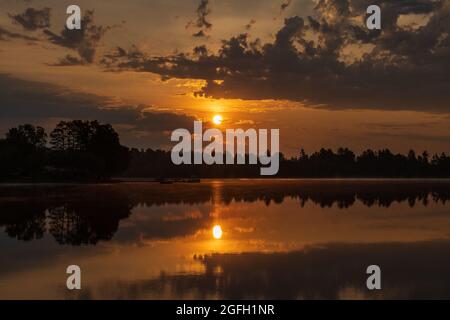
(88, 150)
(76, 150)
(324, 163)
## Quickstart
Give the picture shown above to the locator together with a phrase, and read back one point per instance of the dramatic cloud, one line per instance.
(202, 22)
(68, 60)
(8, 35)
(84, 41)
(36, 101)
(33, 19)
(329, 59)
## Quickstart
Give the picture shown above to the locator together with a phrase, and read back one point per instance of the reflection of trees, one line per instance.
(23, 221)
(70, 219)
(86, 214)
(409, 271)
(79, 223)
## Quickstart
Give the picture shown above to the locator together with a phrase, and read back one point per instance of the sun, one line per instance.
(217, 119)
(217, 232)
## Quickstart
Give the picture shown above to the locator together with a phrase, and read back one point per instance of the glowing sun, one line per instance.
(217, 119)
(217, 232)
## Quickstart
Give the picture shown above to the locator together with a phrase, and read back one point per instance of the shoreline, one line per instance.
(197, 181)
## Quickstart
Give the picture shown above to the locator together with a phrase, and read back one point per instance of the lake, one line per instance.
(226, 239)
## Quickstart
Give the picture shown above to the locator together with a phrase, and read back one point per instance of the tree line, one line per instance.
(78, 150)
(74, 150)
(324, 163)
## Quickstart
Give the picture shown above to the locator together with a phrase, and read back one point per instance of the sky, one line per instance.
(310, 68)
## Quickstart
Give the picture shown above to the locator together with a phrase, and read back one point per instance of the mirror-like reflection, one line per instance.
(410, 271)
(289, 239)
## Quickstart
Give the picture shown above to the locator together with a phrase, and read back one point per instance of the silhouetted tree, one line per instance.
(88, 148)
(80, 149)
(23, 152)
(28, 135)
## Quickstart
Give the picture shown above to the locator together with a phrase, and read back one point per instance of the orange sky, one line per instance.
(160, 28)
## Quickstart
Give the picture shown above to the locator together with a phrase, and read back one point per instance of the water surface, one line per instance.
(282, 239)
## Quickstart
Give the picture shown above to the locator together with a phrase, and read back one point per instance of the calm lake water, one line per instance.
(281, 239)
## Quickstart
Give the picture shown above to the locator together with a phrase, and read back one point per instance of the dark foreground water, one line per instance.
(282, 239)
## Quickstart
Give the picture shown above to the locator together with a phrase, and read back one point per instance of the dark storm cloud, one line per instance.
(403, 69)
(84, 41)
(41, 101)
(202, 22)
(33, 19)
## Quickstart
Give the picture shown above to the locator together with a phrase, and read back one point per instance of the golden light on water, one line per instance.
(217, 232)
(217, 119)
